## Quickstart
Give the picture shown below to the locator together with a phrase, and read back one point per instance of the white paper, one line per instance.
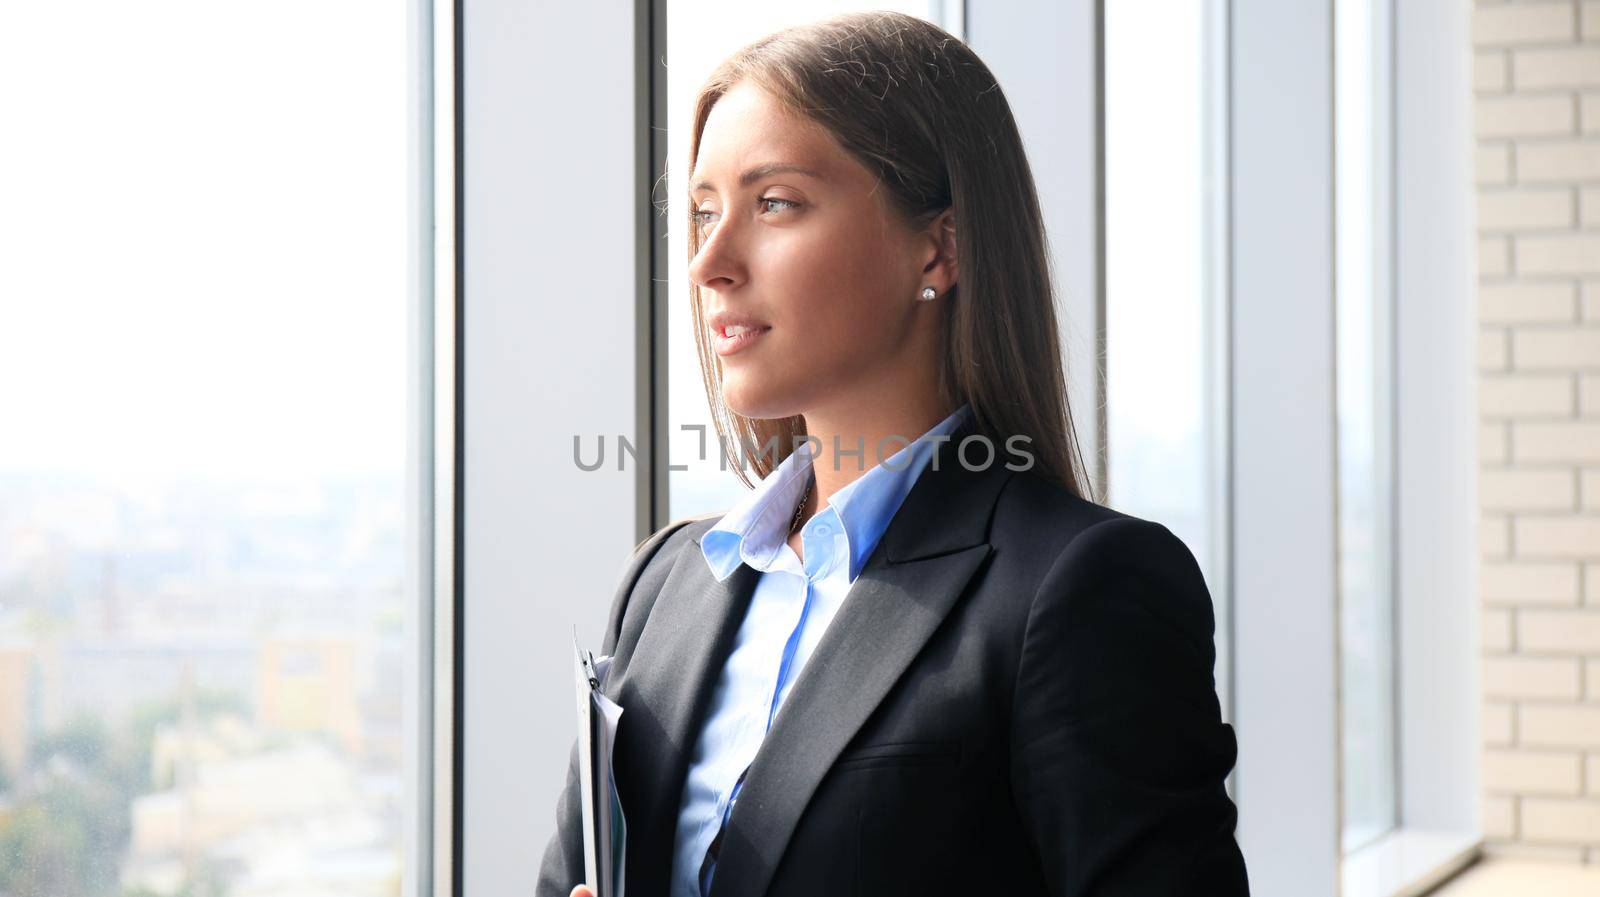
(605, 827)
(613, 830)
(585, 694)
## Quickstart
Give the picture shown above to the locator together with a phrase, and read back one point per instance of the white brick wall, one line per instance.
(1537, 77)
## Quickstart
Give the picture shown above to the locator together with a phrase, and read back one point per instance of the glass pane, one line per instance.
(1366, 597)
(1165, 396)
(203, 381)
(699, 36)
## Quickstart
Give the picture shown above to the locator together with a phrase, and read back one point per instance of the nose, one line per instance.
(718, 265)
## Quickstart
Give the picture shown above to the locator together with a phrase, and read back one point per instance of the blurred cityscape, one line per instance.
(200, 687)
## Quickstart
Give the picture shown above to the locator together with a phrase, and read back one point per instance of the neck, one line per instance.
(851, 441)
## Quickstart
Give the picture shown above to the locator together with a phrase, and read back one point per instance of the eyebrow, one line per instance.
(764, 171)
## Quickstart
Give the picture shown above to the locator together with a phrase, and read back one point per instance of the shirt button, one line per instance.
(823, 529)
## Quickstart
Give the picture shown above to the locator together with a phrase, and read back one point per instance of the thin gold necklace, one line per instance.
(801, 507)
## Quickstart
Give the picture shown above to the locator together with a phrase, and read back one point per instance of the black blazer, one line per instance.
(1017, 697)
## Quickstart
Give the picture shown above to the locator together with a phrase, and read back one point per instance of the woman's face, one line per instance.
(799, 243)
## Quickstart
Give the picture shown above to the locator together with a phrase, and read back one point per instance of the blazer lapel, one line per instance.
(664, 690)
(932, 548)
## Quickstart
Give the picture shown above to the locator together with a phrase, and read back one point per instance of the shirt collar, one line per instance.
(754, 530)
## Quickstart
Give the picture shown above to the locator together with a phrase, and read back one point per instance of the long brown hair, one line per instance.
(919, 109)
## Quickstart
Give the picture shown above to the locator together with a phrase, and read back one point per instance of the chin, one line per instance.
(762, 401)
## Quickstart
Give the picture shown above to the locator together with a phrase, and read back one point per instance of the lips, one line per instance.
(720, 321)
(737, 338)
(733, 332)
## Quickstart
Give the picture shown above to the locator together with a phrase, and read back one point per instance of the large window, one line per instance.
(1166, 299)
(699, 36)
(203, 326)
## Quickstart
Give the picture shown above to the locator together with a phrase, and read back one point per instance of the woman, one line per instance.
(916, 659)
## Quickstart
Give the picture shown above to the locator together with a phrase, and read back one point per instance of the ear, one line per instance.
(940, 269)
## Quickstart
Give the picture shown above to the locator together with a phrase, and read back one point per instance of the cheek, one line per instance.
(835, 293)
(839, 320)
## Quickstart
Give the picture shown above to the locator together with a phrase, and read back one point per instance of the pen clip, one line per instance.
(587, 659)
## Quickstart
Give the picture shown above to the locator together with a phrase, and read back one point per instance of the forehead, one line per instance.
(748, 126)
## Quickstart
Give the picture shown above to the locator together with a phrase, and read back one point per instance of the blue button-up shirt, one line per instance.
(791, 607)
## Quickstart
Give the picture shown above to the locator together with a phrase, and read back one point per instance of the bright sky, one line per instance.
(204, 222)
(1155, 245)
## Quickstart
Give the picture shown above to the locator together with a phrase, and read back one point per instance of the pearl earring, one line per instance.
(927, 294)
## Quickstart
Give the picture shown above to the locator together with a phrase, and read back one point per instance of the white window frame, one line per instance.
(1284, 511)
(428, 836)
(554, 311)
(1282, 390)
(1437, 688)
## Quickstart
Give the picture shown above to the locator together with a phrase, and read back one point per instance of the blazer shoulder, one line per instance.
(1040, 519)
(1123, 562)
(664, 544)
(692, 527)
(1041, 515)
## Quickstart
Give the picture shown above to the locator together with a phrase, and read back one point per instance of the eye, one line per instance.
(705, 219)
